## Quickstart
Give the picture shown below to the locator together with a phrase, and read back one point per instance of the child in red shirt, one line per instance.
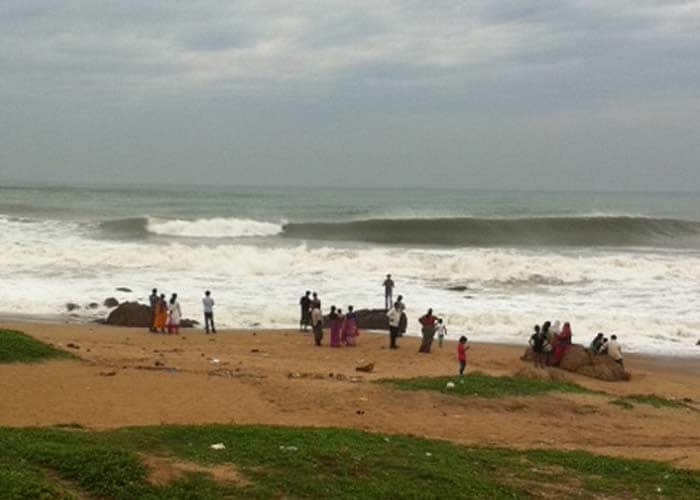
(462, 349)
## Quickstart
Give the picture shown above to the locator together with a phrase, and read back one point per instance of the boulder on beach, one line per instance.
(578, 360)
(457, 288)
(368, 319)
(110, 302)
(130, 314)
(93, 305)
(188, 323)
(72, 306)
(124, 289)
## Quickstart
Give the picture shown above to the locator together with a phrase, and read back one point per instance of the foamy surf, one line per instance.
(218, 227)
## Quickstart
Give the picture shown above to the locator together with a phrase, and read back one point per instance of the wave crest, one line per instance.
(581, 231)
(219, 227)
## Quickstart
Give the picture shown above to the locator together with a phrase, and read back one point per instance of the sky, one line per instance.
(509, 94)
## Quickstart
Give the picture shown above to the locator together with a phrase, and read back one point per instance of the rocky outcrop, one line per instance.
(130, 314)
(578, 360)
(72, 306)
(138, 315)
(368, 319)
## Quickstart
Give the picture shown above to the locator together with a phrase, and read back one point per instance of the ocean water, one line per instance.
(614, 262)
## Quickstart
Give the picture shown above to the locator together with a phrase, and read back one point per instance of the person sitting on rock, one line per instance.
(614, 350)
(596, 343)
(562, 342)
(603, 349)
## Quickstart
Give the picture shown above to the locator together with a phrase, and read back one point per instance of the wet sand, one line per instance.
(128, 377)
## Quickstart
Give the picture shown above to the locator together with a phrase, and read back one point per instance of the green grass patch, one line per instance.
(17, 347)
(280, 462)
(486, 386)
(648, 399)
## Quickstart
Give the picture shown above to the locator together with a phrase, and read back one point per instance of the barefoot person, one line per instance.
(174, 315)
(614, 350)
(462, 349)
(153, 300)
(388, 292)
(317, 320)
(561, 344)
(427, 322)
(161, 314)
(403, 323)
(208, 304)
(538, 342)
(394, 317)
(350, 331)
(441, 331)
(305, 306)
(335, 323)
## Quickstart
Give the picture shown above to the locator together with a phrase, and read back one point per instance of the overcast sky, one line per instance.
(549, 94)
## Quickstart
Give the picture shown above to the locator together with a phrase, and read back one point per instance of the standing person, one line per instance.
(403, 323)
(441, 331)
(153, 300)
(462, 349)
(388, 292)
(305, 306)
(317, 320)
(614, 350)
(538, 342)
(174, 315)
(350, 327)
(428, 330)
(335, 323)
(161, 314)
(208, 304)
(394, 316)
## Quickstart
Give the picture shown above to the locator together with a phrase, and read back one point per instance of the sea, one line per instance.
(491, 263)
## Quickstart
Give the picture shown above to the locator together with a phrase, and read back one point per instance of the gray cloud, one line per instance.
(479, 92)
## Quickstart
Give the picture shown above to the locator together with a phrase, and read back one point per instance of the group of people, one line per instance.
(166, 315)
(342, 326)
(550, 342)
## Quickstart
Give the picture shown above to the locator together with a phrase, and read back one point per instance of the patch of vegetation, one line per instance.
(17, 347)
(625, 405)
(648, 399)
(312, 463)
(486, 386)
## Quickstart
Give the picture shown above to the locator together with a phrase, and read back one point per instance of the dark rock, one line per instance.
(71, 345)
(578, 360)
(110, 302)
(368, 319)
(698, 343)
(188, 323)
(72, 306)
(130, 314)
(458, 288)
(124, 289)
(93, 305)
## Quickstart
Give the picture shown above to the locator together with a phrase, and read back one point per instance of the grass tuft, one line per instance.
(486, 386)
(17, 347)
(313, 463)
(628, 402)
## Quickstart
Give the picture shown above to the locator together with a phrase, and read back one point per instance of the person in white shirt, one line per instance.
(208, 304)
(394, 316)
(441, 332)
(614, 349)
(174, 315)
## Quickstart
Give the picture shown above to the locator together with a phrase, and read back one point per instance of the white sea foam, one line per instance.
(649, 299)
(213, 228)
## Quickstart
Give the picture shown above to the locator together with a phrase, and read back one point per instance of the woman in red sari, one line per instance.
(349, 327)
(562, 342)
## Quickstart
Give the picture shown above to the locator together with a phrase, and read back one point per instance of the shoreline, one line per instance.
(691, 360)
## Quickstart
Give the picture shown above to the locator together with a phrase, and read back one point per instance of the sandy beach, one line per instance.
(128, 377)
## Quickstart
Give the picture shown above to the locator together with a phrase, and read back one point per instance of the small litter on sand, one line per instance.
(289, 448)
(450, 385)
(218, 446)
